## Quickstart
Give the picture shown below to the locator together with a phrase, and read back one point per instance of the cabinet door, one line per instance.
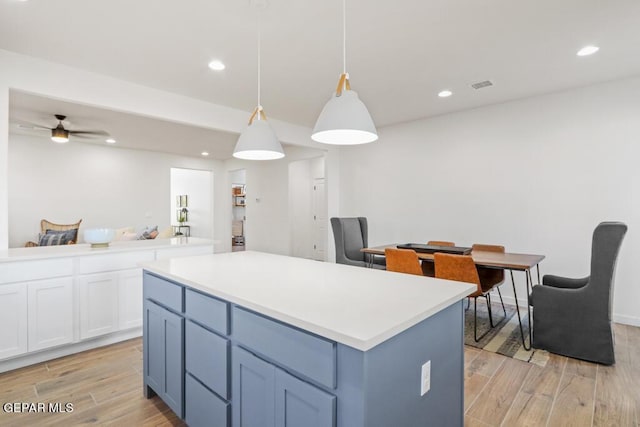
(98, 304)
(253, 390)
(163, 358)
(50, 313)
(299, 404)
(130, 298)
(13, 318)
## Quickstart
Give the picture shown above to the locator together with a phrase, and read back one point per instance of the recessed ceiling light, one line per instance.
(445, 94)
(216, 65)
(205, 153)
(110, 141)
(588, 50)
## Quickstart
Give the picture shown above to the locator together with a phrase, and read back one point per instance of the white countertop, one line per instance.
(355, 306)
(42, 252)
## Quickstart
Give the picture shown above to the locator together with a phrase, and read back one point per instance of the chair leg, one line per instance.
(502, 302)
(488, 299)
(468, 303)
(475, 322)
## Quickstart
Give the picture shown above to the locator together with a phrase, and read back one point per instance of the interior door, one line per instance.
(319, 212)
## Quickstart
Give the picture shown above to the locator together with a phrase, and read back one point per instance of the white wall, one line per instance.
(535, 175)
(105, 186)
(267, 224)
(45, 78)
(198, 186)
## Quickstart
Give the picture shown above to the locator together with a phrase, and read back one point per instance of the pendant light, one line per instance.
(258, 141)
(344, 120)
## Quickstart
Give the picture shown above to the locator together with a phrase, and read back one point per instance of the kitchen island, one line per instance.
(254, 339)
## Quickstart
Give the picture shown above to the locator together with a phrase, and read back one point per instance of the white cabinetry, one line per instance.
(50, 311)
(130, 298)
(111, 298)
(98, 295)
(13, 320)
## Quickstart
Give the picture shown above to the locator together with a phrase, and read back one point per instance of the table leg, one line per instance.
(515, 296)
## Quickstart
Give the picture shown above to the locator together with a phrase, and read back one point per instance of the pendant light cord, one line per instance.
(259, 59)
(344, 36)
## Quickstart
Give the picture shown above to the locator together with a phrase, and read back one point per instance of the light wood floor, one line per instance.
(105, 386)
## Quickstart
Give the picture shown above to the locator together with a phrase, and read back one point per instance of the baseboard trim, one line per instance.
(617, 318)
(626, 320)
(67, 349)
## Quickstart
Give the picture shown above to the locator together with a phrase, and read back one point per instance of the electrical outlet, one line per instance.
(425, 378)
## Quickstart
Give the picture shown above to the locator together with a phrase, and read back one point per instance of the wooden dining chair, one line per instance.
(403, 261)
(462, 268)
(427, 266)
(491, 277)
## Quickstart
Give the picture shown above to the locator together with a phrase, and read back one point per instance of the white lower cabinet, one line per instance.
(130, 298)
(13, 320)
(98, 294)
(50, 311)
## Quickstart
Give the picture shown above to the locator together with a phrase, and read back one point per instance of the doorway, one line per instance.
(308, 209)
(192, 202)
(238, 179)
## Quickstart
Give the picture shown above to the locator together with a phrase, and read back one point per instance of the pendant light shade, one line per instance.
(344, 120)
(258, 142)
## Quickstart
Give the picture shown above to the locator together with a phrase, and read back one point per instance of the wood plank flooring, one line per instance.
(105, 387)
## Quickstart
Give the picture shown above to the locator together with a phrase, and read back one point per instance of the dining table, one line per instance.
(498, 260)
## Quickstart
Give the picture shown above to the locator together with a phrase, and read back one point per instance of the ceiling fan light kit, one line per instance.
(59, 134)
(344, 120)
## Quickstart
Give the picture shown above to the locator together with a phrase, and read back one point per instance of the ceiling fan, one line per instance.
(61, 135)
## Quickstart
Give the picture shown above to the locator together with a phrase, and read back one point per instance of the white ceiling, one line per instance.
(129, 131)
(401, 53)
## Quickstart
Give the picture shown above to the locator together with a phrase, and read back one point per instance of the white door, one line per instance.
(319, 212)
(50, 312)
(130, 298)
(98, 304)
(13, 320)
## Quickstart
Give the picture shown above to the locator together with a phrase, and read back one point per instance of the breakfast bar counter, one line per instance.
(254, 339)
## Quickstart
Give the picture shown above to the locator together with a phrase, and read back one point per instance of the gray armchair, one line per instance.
(351, 235)
(573, 316)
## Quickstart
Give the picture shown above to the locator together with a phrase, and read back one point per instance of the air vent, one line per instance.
(480, 85)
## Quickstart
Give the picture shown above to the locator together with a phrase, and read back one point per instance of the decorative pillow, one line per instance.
(128, 236)
(167, 233)
(55, 237)
(148, 233)
(120, 233)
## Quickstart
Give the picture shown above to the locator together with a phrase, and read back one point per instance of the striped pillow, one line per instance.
(54, 237)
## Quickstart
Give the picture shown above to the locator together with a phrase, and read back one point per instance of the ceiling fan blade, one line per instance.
(31, 127)
(89, 132)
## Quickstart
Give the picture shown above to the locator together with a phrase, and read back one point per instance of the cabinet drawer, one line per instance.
(163, 292)
(35, 270)
(112, 262)
(207, 310)
(307, 354)
(203, 408)
(207, 356)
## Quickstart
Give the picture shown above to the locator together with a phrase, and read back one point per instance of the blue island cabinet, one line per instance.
(218, 364)
(267, 396)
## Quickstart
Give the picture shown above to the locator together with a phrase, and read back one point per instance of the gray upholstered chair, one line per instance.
(573, 316)
(351, 235)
